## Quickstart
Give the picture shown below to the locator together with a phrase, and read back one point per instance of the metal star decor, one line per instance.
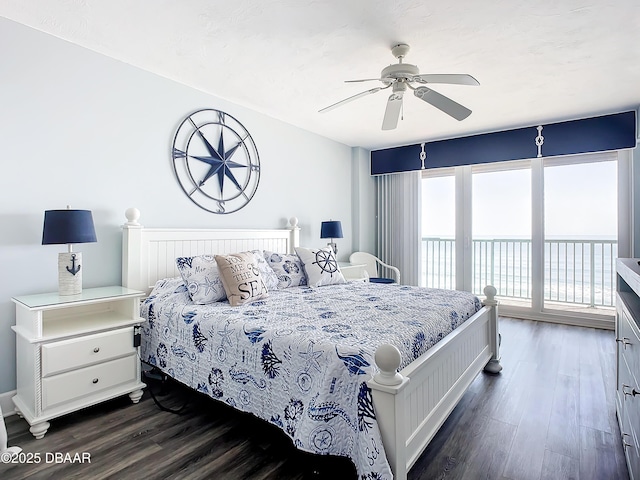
(234, 161)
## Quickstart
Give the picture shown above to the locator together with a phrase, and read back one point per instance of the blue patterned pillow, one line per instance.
(201, 276)
(266, 272)
(288, 269)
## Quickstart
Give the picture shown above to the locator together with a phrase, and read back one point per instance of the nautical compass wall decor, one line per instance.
(216, 161)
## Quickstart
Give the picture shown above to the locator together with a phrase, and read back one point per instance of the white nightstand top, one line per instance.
(354, 271)
(349, 264)
(52, 299)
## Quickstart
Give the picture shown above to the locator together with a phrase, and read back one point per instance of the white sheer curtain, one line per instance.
(399, 230)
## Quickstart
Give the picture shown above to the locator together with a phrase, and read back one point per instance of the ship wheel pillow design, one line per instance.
(321, 266)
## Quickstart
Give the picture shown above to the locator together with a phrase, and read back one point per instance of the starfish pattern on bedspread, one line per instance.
(298, 363)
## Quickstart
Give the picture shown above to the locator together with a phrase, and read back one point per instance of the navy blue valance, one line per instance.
(595, 134)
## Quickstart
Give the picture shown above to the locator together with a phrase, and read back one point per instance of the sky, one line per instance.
(580, 201)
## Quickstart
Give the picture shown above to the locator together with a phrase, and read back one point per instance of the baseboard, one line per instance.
(604, 322)
(6, 404)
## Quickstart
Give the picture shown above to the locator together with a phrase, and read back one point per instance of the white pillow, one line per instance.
(288, 269)
(201, 277)
(321, 266)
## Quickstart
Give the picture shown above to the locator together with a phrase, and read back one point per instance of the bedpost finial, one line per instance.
(388, 361)
(490, 291)
(294, 222)
(133, 215)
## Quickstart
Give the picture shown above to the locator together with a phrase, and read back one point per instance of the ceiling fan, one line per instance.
(403, 75)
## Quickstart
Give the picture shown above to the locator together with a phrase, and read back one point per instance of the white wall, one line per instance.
(82, 129)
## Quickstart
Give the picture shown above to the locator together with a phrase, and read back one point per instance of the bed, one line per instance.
(331, 388)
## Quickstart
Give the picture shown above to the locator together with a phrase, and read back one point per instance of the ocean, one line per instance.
(577, 270)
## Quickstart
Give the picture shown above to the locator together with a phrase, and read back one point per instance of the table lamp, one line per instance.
(68, 227)
(331, 229)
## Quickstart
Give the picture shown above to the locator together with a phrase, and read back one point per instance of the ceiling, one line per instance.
(537, 62)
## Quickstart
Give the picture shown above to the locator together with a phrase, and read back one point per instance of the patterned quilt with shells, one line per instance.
(301, 358)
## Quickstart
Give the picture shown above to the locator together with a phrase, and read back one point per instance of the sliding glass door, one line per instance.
(439, 230)
(581, 234)
(545, 232)
(501, 226)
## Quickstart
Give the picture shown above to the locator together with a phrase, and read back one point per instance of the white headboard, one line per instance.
(149, 254)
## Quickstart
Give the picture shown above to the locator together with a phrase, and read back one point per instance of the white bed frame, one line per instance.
(410, 404)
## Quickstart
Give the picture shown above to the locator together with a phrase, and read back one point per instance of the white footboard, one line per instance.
(413, 404)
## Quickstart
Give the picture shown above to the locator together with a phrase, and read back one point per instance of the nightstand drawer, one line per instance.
(630, 344)
(80, 352)
(87, 381)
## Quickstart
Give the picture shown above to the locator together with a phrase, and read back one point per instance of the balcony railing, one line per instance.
(578, 272)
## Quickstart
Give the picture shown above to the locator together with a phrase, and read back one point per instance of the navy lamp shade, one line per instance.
(68, 227)
(331, 229)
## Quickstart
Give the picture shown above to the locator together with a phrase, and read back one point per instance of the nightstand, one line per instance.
(353, 272)
(74, 351)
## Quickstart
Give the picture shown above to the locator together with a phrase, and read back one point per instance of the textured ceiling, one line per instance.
(537, 61)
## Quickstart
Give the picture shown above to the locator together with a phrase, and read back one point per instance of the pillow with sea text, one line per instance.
(241, 278)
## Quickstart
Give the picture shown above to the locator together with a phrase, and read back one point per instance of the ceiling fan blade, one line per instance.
(364, 80)
(443, 103)
(351, 98)
(451, 78)
(392, 112)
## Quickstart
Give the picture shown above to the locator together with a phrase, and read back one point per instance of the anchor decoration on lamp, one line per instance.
(68, 227)
(331, 229)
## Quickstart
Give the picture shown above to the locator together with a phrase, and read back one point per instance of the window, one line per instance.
(544, 232)
(581, 233)
(501, 226)
(439, 231)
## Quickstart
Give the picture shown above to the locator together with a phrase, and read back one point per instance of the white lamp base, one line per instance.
(69, 273)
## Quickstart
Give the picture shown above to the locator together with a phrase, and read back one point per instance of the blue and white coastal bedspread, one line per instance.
(301, 358)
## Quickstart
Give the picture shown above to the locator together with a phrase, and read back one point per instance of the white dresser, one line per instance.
(75, 351)
(628, 360)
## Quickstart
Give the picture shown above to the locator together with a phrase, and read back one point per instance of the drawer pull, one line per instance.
(634, 392)
(96, 350)
(95, 380)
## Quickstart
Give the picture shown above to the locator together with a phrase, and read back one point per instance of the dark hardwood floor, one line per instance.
(550, 414)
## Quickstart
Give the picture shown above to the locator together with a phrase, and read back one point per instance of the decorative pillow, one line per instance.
(200, 275)
(287, 268)
(320, 266)
(241, 278)
(268, 275)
